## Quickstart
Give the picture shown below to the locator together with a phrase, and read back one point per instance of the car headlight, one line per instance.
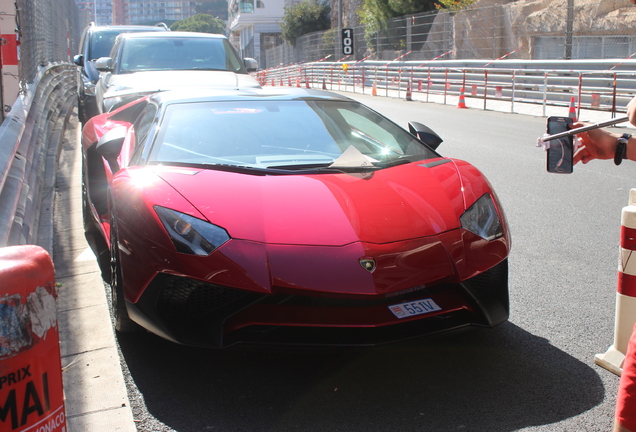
(482, 219)
(89, 88)
(191, 235)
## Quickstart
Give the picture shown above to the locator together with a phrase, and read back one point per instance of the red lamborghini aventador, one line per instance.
(287, 216)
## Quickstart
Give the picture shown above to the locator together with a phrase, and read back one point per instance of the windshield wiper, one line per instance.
(393, 162)
(244, 169)
(205, 69)
(322, 168)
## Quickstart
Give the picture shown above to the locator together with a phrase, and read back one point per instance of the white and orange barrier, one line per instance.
(31, 391)
(625, 316)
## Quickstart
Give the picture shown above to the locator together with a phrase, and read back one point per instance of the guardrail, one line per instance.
(30, 139)
(593, 87)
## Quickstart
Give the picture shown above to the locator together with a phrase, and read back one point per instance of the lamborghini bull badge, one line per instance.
(368, 264)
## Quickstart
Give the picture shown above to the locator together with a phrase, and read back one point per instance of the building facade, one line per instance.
(107, 12)
(150, 11)
(99, 11)
(254, 26)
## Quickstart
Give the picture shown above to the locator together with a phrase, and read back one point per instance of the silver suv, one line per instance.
(144, 63)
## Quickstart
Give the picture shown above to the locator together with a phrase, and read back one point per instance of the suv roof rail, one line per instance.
(162, 24)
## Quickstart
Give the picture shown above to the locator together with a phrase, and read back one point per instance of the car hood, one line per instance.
(400, 203)
(149, 82)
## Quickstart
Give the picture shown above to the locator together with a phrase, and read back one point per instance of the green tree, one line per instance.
(216, 8)
(200, 23)
(375, 14)
(454, 5)
(306, 17)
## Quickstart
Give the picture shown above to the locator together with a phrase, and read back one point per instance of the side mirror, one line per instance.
(79, 60)
(104, 64)
(250, 64)
(110, 144)
(425, 134)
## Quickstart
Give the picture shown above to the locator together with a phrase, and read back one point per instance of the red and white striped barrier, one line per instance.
(31, 391)
(625, 316)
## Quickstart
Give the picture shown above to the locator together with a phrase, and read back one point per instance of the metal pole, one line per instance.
(339, 35)
(569, 24)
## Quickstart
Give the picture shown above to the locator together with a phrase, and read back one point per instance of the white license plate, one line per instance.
(416, 307)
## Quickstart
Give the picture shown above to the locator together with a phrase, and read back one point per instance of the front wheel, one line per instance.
(123, 323)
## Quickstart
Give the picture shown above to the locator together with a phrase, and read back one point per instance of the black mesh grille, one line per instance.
(489, 282)
(191, 299)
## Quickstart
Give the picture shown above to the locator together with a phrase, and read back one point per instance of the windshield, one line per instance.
(283, 134)
(101, 43)
(178, 53)
(102, 40)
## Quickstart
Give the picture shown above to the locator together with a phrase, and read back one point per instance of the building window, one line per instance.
(247, 6)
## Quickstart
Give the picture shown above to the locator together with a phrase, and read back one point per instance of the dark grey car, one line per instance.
(97, 42)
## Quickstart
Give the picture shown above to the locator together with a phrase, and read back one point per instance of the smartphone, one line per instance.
(561, 150)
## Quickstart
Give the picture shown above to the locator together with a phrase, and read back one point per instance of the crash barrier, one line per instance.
(625, 315)
(31, 390)
(29, 146)
(595, 85)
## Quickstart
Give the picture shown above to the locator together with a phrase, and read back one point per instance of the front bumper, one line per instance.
(192, 312)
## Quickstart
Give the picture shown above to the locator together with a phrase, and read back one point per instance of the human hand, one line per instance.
(595, 144)
(631, 106)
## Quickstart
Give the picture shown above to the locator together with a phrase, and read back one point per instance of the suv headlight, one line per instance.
(191, 235)
(89, 88)
(482, 219)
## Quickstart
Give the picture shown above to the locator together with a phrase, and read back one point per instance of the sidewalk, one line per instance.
(95, 392)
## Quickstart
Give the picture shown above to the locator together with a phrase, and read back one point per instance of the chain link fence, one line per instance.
(523, 30)
(33, 129)
(48, 31)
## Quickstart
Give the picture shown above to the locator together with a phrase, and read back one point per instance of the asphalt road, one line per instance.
(533, 373)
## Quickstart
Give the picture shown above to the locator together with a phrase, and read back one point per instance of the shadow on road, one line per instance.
(501, 379)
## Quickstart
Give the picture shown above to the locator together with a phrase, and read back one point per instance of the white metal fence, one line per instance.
(593, 85)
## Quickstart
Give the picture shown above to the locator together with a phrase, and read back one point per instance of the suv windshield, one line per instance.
(182, 53)
(283, 135)
(101, 43)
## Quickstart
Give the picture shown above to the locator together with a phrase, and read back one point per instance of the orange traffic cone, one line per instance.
(572, 113)
(409, 96)
(297, 82)
(307, 84)
(374, 89)
(462, 101)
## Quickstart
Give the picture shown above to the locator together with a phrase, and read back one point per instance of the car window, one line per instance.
(101, 43)
(142, 126)
(279, 133)
(153, 54)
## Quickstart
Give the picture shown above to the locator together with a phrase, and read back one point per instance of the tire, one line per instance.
(92, 233)
(81, 112)
(86, 210)
(123, 323)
